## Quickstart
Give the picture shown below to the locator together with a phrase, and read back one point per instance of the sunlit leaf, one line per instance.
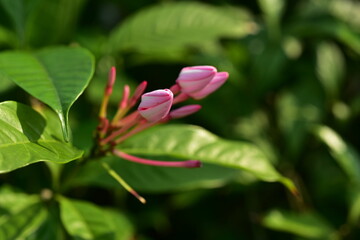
(308, 225)
(345, 155)
(56, 76)
(174, 25)
(330, 68)
(84, 220)
(25, 138)
(191, 142)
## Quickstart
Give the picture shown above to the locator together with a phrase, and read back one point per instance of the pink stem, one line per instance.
(139, 128)
(125, 97)
(104, 126)
(184, 164)
(137, 94)
(108, 92)
(175, 88)
(180, 98)
(128, 119)
(118, 132)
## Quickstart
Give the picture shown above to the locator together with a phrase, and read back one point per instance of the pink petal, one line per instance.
(155, 105)
(219, 79)
(192, 79)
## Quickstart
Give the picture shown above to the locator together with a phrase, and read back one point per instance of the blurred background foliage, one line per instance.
(293, 91)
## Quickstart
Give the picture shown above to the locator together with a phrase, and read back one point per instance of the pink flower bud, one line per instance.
(184, 111)
(193, 79)
(219, 79)
(155, 105)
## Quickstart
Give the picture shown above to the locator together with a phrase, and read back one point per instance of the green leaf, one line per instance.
(25, 138)
(7, 38)
(12, 201)
(154, 179)
(51, 228)
(24, 214)
(16, 11)
(174, 25)
(308, 225)
(54, 22)
(325, 28)
(56, 76)
(86, 221)
(354, 212)
(192, 142)
(345, 155)
(330, 68)
(298, 109)
(273, 11)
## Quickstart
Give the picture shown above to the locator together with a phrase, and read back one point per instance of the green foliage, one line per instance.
(289, 113)
(56, 76)
(153, 29)
(307, 225)
(26, 138)
(191, 142)
(87, 221)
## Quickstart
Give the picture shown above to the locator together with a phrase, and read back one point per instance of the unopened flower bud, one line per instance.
(155, 105)
(193, 79)
(219, 79)
(184, 111)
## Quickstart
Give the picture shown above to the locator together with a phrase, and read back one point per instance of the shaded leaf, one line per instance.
(25, 138)
(54, 22)
(12, 201)
(56, 76)
(154, 179)
(298, 109)
(84, 220)
(354, 212)
(22, 221)
(308, 225)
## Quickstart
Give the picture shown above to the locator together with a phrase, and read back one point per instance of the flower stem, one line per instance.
(182, 164)
(121, 181)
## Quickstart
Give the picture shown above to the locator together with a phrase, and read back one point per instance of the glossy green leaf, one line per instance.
(154, 179)
(56, 76)
(174, 25)
(25, 138)
(86, 221)
(192, 142)
(330, 68)
(345, 155)
(307, 225)
(21, 214)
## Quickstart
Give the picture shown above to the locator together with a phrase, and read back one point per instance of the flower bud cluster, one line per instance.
(155, 107)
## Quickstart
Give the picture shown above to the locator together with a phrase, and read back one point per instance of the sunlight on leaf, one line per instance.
(56, 76)
(25, 138)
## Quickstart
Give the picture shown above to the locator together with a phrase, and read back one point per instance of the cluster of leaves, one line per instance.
(292, 102)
